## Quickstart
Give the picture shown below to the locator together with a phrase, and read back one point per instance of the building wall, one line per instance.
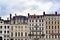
(20, 29)
(4, 31)
(33, 22)
(52, 27)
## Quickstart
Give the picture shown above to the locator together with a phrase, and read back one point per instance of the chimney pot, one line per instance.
(10, 16)
(15, 15)
(28, 14)
(44, 13)
(7, 18)
(0, 17)
(56, 12)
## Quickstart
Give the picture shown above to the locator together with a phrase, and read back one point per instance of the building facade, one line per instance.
(31, 27)
(49, 24)
(36, 25)
(19, 28)
(4, 30)
(52, 26)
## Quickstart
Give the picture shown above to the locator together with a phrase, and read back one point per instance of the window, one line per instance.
(8, 27)
(16, 34)
(36, 24)
(14, 22)
(42, 24)
(58, 36)
(4, 35)
(25, 39)
(52, 27)
(49, 22)
(58, 27)
(11, 39)
(49, 36)
(21, 39)
(42, 28)
(52, 31)
(32, 24)
(15, 26)
(37, 16)
(46, 27)
(49, 27)
(12, 28)
(34, 28)
(18, 39)
(1, 21)
(58, 22)
(42, 21)
(11, 34)
(1, 27)
(15, 39)
(55, 27)
(46, 22)
(55, 36)
(5, 27)
(7, 31)
(25, 26)
(39, 20)
(21, 33)
(4, 31)
(49, 31)
(55, 22)
(21, 26)
(52, 36)
(52, 18)
(58, 31)
(25, 34)
(18, 28)
(46, 31)
(4, 39)
(7, 39)
(7, 35)
(30, 20)
(52, 22)
(36, 20)
(49, 18)
(46, 36)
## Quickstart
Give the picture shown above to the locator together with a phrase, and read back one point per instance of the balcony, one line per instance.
(36, 34)
(36, 30)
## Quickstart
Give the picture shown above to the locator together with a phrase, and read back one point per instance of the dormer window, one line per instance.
(1, 21)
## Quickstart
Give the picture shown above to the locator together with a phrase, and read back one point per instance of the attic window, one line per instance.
(1, 21)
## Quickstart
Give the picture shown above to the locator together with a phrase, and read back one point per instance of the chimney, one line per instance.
(28, 14)
(15, 15)
(34, 14)
(7, 18)
(10, 16)
(44, 13)
(0, 17)
(56, 13)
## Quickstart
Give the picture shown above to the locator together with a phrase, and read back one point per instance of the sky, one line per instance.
(23, 7)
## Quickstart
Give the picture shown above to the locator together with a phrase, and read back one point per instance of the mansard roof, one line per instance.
(19, 17)
(43, 15)
(52, 15)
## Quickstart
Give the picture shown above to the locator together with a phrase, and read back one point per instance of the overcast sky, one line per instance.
(23, 7)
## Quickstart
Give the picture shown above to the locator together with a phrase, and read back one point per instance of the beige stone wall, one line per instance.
(20, 28)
